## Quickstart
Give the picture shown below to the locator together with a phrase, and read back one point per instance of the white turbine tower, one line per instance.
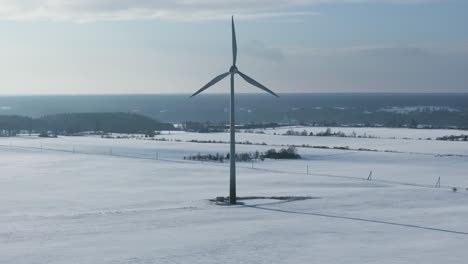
(233, 71)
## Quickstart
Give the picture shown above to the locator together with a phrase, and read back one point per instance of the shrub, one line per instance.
(47, 135)
(289, 153)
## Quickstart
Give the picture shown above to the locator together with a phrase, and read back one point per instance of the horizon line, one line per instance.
(226, 93)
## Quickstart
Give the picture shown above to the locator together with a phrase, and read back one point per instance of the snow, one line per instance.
(429, 147)
(94, 200)
(378, 132)
(409, 109)
(5, 108)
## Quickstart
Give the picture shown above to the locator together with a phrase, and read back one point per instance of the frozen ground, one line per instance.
(73, 202)
(379, 132)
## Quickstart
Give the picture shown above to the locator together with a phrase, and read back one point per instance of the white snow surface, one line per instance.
(409, 109)
(378, 132)
(94, 200)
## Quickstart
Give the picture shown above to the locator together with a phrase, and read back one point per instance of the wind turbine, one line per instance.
(233, 71)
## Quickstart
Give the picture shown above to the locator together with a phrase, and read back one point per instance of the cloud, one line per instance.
(259, 49)
(411, 50)
(419, 67)
(96, 10)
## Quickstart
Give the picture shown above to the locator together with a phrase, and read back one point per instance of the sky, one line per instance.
(176, 46)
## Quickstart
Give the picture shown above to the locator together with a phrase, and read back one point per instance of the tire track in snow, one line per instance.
(358, 219)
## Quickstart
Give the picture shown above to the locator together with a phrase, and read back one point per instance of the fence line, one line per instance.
(158, 158)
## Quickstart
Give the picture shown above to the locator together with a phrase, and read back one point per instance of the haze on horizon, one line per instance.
(174, 46)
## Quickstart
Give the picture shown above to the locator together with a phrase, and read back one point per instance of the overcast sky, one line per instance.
(176, 46)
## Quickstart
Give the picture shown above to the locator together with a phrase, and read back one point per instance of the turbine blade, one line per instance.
(255, 83)
(234, 43)
(211, 83)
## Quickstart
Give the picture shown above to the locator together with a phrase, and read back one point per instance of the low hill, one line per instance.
(79, 122)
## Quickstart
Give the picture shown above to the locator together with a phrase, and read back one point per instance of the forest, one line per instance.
(67, 124)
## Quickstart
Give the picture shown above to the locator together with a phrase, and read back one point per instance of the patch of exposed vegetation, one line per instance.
(289, 153)
(454, 138)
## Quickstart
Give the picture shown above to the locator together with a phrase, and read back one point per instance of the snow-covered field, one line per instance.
(430, 147)
(378, 132)
(94, 200)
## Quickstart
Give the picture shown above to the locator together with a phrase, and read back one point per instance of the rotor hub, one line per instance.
(233, 69)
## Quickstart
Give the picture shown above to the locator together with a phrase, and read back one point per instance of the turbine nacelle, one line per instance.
(233, 69)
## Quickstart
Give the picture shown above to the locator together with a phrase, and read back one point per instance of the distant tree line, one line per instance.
(204, 127)
(12, 125)
(454, 138)
(327, 133)
(358, 117)
(254, 125)
(72, 123)
(209, 127)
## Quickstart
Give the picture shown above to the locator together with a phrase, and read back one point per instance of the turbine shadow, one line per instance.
(281, 199)
(352, 218)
